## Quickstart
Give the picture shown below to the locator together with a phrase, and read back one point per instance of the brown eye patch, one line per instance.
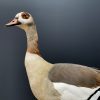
(25, 15)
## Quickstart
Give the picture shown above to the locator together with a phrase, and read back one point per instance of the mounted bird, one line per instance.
(61, 81)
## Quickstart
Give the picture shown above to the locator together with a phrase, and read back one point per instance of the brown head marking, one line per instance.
(25, 15)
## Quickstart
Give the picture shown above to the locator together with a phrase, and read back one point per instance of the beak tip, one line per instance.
(7, 25)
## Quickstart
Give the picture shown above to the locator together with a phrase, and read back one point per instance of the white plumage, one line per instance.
(72, 92)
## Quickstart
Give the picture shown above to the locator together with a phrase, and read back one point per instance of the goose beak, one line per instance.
(13, 22)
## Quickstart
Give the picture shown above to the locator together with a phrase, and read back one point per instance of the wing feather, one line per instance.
(75, 75)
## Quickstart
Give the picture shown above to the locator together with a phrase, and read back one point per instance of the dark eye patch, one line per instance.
(25, 15)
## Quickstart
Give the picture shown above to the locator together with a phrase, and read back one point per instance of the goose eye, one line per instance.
(25, 15)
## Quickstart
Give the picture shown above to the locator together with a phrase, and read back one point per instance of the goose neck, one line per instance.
(32, 39)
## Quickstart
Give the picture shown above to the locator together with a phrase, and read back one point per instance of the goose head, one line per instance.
(22, 20)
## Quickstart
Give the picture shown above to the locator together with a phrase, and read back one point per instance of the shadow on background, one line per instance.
(69, 32)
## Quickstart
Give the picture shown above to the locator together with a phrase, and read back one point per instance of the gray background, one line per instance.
(69, 31)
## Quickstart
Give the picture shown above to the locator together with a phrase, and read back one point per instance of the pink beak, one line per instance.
(13, 22)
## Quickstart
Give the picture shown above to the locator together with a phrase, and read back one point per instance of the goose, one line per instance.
(61, 81)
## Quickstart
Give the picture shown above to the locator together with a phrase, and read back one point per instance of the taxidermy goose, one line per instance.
(55, 81)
